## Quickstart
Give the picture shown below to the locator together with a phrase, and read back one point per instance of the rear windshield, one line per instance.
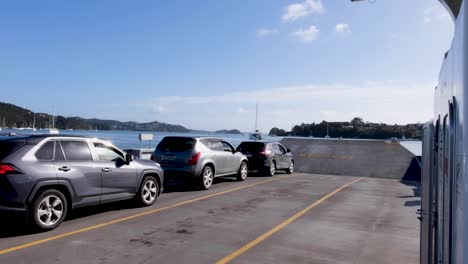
(176, 144)
(8, 146)
(251, 147)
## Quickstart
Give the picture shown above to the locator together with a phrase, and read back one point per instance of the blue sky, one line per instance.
(204, 64)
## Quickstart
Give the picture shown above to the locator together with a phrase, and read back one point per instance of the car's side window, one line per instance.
(76, 150)
(276, 148)
(227, 147)
(216, 145)
(281, 148)
(59, 156)
(106, 153)
(46, 152)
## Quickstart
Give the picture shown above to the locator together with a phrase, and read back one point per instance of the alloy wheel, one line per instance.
(50, 210)
(207, 177)
(149, 191)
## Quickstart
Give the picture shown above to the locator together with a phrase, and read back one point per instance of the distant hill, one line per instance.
(226, 131)
(356, 128)
(15, 116)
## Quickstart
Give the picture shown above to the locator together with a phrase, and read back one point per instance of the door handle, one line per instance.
(106, 170)
(64, 169)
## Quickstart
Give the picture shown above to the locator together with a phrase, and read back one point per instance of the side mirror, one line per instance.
(128, 158)
(288, 150)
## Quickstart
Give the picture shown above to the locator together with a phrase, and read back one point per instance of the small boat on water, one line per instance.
(257, 135)
(53, 130)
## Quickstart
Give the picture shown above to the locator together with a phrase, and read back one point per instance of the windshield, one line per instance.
(176, 144)
(251, 147)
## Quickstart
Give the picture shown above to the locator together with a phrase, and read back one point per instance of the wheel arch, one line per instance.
(155, 174)
(63, 186)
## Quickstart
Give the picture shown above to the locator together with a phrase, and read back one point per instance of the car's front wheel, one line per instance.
(243, 171)
(148, 192)
(49, 210)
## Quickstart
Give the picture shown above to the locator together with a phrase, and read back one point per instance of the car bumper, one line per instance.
(9, 209)
(258, 164)
(171, 173)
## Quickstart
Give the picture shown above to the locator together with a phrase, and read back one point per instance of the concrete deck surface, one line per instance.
(371, 221)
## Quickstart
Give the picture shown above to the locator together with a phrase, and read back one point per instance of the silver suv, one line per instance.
(47, 176)
(201, 159)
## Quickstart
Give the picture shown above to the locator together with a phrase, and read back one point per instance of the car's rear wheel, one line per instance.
(271, 170)
(290, 169)
(243, 171)
(49, 210)
(207, 178)
(148, 192)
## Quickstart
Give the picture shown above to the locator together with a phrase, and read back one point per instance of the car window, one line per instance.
(176, 144)
(107, 153)
(276, 148)
(281, 148)
(227, 147)
(46, 151)
(76, 150)
(7, 147)
(59, 156)
(251, 147)
(215, 144)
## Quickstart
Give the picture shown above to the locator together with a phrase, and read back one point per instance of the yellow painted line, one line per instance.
(277, 228)
(89, 228)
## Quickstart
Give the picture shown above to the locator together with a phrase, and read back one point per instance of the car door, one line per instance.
(218, 156)
(278, 154)
(285, 156)
(44, 167)
(74, 163)
(119, 180)
(232, 162)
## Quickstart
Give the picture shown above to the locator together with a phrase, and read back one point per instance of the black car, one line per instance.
(267, 157)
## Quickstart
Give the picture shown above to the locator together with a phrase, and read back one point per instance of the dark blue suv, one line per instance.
(47, 175)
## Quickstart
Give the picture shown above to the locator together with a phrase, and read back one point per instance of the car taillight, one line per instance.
(4, 169)
(194, 159)
(265, 152)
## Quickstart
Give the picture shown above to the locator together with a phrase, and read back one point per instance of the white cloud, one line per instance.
(159, 108)
(436, 14)
(242, 110)
(298, 10)
(307, 35)
(343, 28)
(389, 102)
(263, 32)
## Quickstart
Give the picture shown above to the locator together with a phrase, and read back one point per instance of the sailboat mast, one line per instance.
(256, 117)
(53, 117)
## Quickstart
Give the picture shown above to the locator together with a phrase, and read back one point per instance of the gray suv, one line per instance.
(47, 175)
(201, 159)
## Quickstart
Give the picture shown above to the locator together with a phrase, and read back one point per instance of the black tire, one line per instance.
(243, 171)
(206, 178)
(271, 170)
(290, 169)
(148, 192)
(48, 210)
